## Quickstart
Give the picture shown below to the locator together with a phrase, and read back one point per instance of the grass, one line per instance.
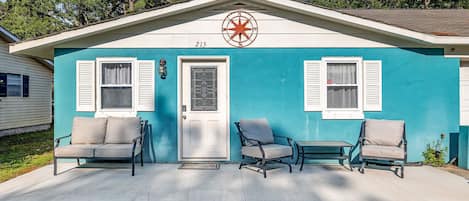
(23, 153)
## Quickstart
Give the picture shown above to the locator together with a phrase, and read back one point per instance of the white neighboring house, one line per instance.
(25, 90)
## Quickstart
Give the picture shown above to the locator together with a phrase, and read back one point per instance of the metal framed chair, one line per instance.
(383, 142)
(257, 142)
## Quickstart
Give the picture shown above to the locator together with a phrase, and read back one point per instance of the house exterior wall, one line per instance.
(419, 86)
(22, 114)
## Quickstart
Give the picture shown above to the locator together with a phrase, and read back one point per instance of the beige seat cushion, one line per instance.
(377, 151)
(116, 150)
(75, 151)
(88, 130)
(384, 132)
(122, 130)
(271, 151)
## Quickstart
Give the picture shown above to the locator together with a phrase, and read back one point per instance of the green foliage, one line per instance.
(24, 152)
(435, 153)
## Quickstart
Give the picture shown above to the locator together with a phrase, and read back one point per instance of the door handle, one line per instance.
(184, 116)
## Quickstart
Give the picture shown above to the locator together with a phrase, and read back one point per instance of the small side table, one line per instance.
(340, 145)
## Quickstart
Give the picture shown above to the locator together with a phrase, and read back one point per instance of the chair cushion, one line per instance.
(122, 130)
(257, 129)
(75, 151)
(377, 151)
(271, 151)
(116, 150)
(88, 130)
(384, 132)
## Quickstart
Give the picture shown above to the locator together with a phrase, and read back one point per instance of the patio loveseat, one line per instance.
(113, 138)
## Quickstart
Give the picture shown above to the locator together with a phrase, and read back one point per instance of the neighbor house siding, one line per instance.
(419, 86)
(16, 112)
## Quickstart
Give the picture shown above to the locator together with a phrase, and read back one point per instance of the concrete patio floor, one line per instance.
(164, 182)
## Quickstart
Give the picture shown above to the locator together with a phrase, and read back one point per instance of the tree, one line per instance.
(30, 18)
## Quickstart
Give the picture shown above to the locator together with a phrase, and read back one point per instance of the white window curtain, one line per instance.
(117, 73)
(342, 88)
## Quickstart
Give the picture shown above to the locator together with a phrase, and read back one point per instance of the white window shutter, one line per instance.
(146, 86)
(312, 86)
(372, 86)
(85, 86)
(464, 95)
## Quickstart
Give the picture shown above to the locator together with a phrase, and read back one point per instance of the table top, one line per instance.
(323, 143)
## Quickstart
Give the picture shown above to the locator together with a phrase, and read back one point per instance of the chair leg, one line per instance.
(264, 168)
(241, 165)
(55, 166)
(78, 161)
(289, 166)
(362, 167)
(133, 165)
(402, 171)
(141, 159)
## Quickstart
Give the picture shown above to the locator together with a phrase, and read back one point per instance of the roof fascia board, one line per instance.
(8, 36)
(112, 25)
(364, 23)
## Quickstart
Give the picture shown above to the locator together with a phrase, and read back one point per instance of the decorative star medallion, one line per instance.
(239, 28)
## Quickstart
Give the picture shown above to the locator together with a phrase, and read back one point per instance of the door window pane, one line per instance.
(204, 89)
(13, 85)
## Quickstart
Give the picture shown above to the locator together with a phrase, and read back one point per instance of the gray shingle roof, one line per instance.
(447, 22)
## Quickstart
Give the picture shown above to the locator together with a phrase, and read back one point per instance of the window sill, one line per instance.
(343, 115)
(115, 114)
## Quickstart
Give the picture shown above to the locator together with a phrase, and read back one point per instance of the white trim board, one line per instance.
(180, 60)
(46, 44)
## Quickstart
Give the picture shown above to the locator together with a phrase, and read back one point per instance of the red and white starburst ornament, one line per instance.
(239, 28)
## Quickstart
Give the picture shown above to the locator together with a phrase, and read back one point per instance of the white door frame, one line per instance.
(180, 61)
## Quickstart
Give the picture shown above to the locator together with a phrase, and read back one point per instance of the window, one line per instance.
(342, 86)
(116, 85)
(14, 85)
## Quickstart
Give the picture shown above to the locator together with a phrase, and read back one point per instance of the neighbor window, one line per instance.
(342, 86)
(116, 85)
(13, 85)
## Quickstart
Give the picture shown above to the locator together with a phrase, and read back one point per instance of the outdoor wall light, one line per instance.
(163, 71)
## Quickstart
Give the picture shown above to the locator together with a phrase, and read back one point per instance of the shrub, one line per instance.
(435, 152)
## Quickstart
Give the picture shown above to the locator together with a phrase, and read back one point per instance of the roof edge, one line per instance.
(11, 38)
(289, 5)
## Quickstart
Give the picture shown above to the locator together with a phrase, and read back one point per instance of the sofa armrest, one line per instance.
(57, 140)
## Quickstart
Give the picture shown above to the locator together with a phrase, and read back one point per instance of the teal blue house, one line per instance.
(194, 68)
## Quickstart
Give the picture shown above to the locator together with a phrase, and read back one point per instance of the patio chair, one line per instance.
(383, 142)
(257, 142)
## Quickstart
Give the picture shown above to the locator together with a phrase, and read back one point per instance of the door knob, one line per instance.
(184, 116)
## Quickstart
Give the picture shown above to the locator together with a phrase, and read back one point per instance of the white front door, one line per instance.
(204, 100)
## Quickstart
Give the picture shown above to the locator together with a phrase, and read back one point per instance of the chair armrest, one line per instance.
(289, 140)
(57, 140)
(136, 139)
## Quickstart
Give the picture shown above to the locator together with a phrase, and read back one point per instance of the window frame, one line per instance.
(342, 113)
(116, 111)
